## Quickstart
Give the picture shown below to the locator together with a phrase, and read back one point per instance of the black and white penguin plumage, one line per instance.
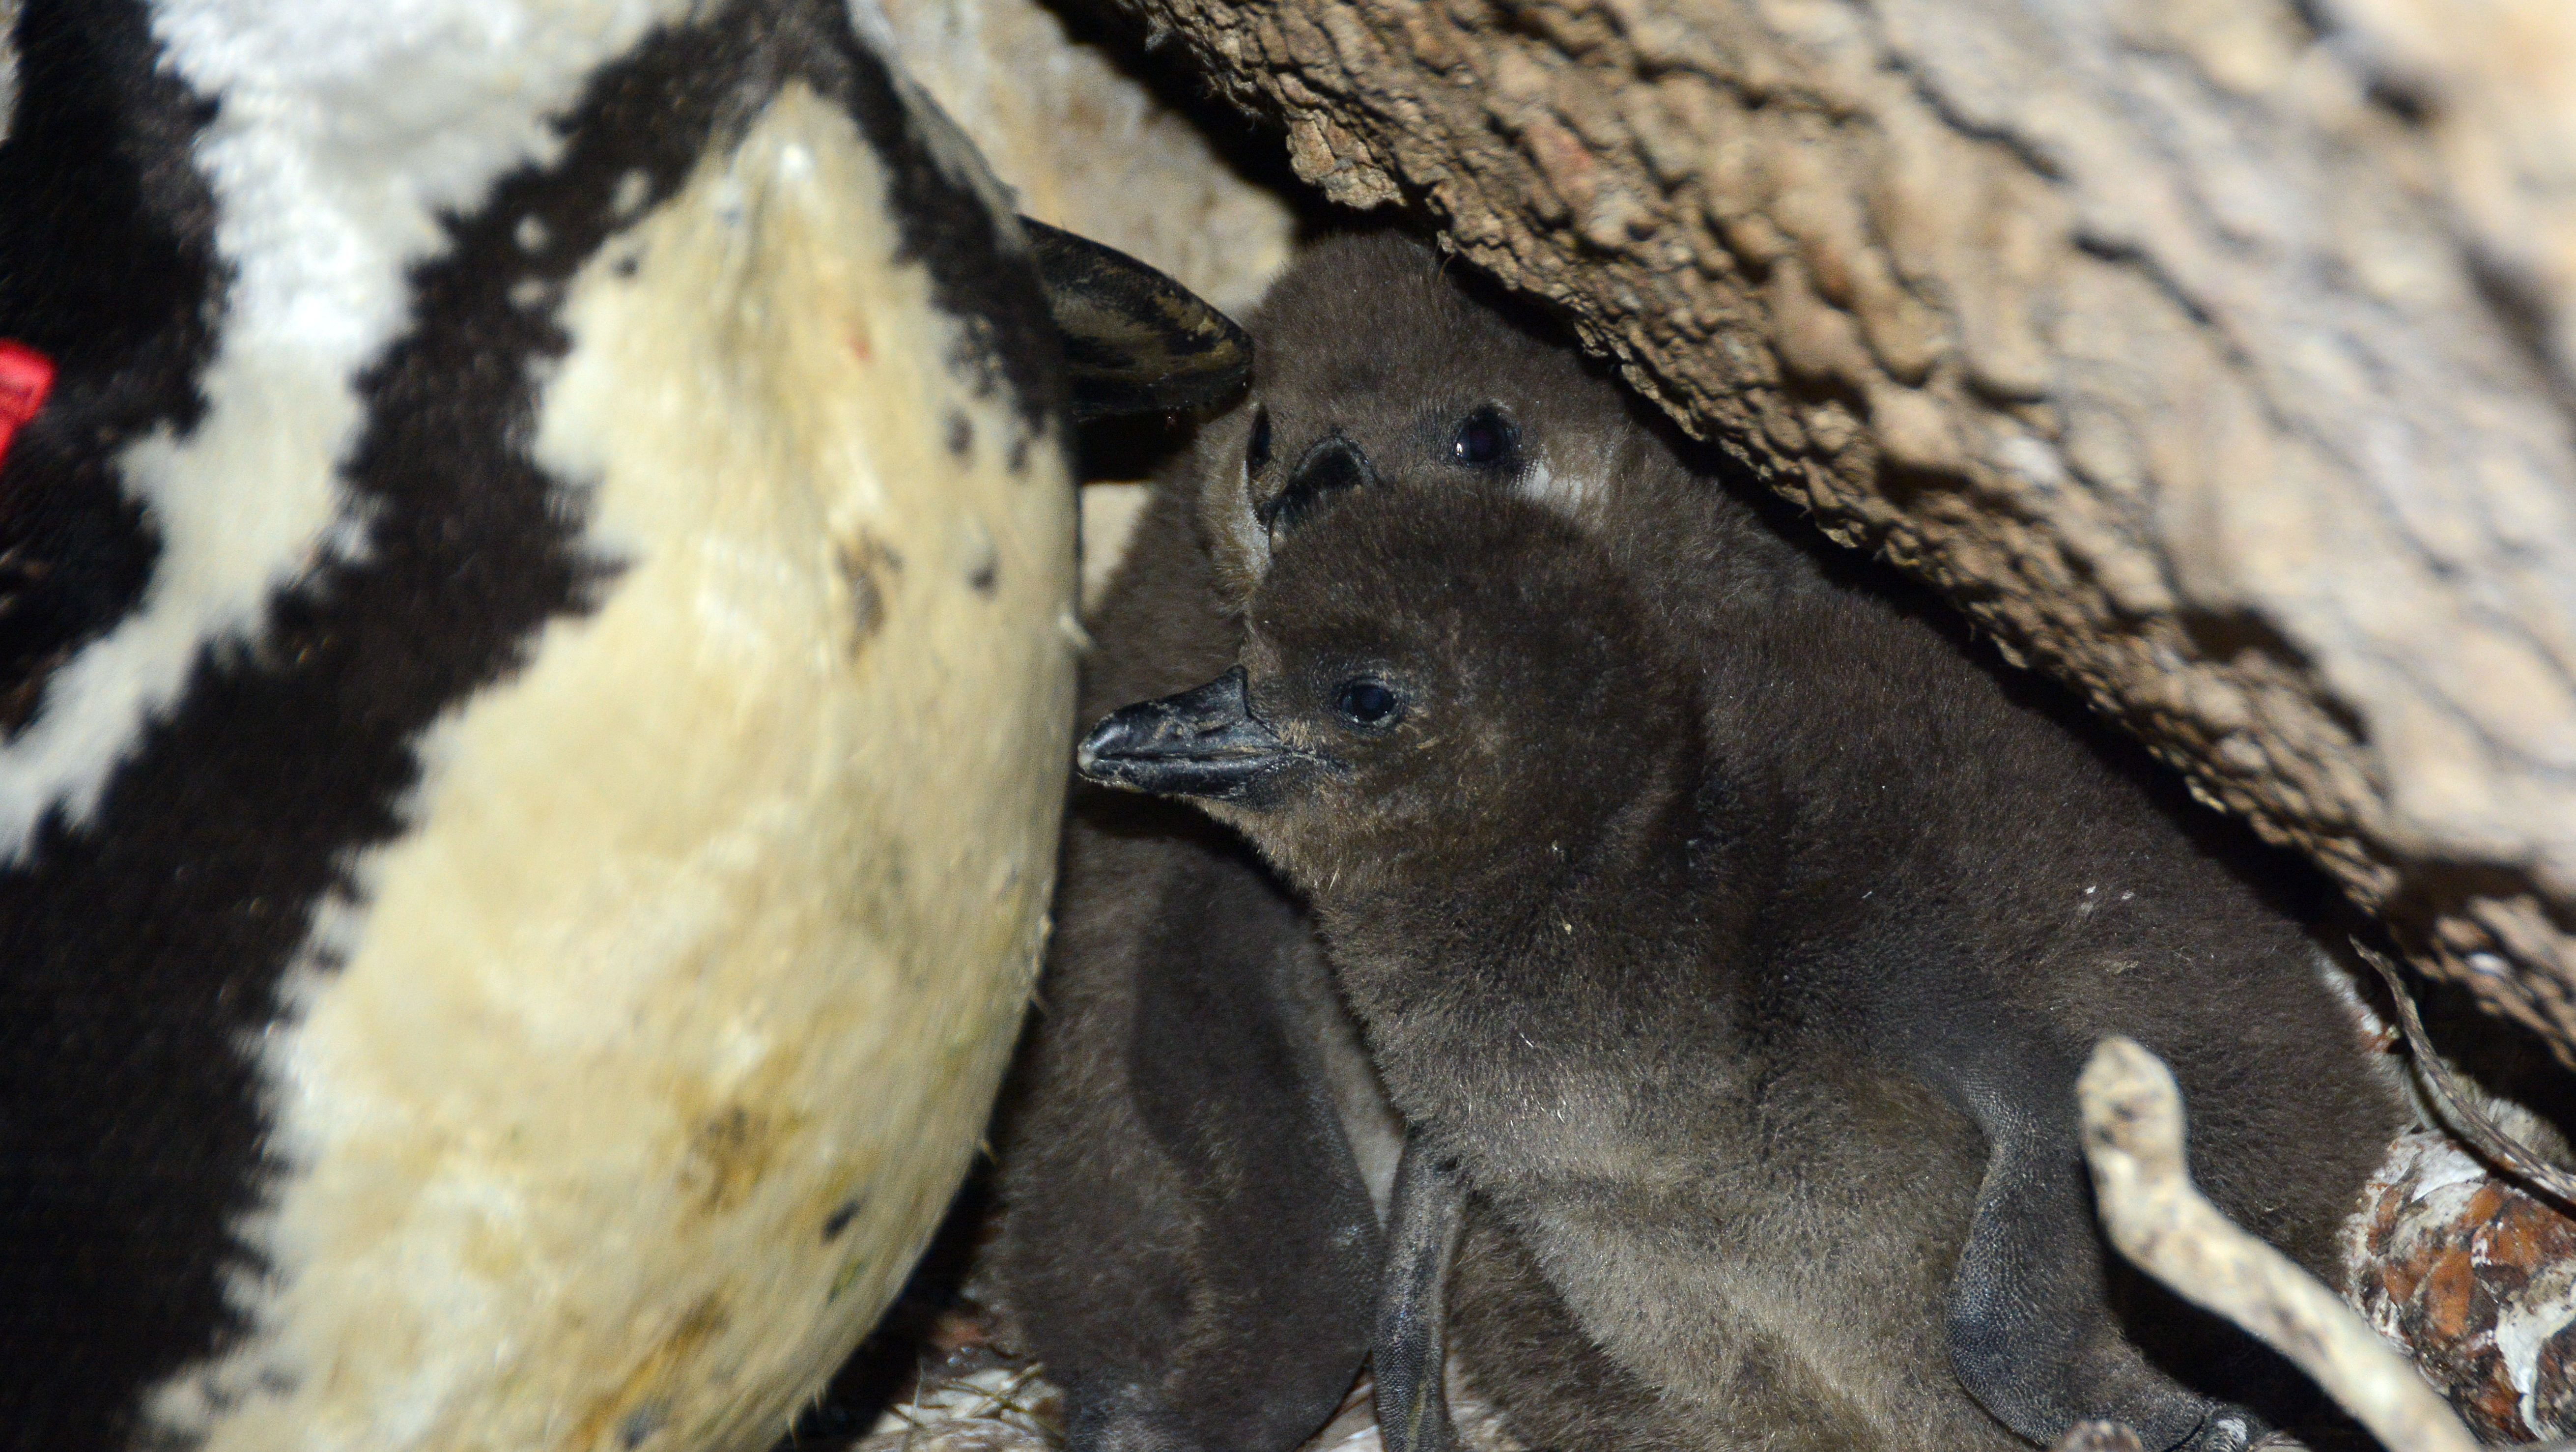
(535, 670)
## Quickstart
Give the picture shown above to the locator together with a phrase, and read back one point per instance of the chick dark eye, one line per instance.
(1484, 439)
(1366, 702)
(1257, 453)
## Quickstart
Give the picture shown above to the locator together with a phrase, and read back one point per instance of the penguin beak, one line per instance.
(1202, 743)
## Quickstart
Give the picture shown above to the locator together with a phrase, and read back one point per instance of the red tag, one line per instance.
(26, 376)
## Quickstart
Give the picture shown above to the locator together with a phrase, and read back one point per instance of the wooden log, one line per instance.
(2216, 357)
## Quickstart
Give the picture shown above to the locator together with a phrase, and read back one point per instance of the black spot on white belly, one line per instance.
(839, 1220)
(868, 566)
(639, 1425)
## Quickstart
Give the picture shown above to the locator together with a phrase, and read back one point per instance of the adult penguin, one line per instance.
(535, 680)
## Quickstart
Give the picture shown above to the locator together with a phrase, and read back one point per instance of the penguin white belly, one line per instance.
(613, 1105)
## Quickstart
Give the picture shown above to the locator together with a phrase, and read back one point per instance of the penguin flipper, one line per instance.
(2032, 1333)
(1135, 340)
(1410, 1352)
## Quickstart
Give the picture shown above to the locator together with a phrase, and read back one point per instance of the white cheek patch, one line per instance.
(336, 145)
(1567, 491)
(657, 1045)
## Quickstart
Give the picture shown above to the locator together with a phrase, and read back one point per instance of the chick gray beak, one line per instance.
(1202, 743)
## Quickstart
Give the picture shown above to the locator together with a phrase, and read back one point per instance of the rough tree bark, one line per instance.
(2217, 355)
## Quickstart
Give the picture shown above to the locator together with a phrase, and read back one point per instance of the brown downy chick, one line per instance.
(1402, 698)
(1453, 734)
(1374, 365)
(1665, 925)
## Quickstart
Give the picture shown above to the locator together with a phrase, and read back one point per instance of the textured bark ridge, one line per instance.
(2215, 354)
